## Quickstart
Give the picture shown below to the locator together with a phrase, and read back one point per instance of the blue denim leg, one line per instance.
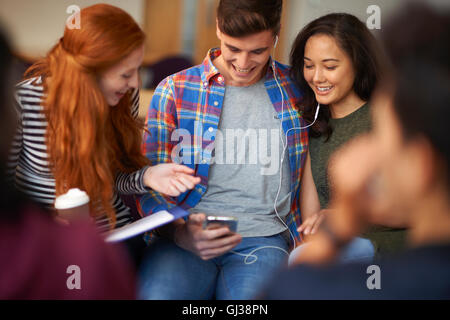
(358, 250)
(240, 281)
(168, 272)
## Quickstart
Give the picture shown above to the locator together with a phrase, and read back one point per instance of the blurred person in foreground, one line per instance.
(400, 170)
(36, 252)
(336, 63)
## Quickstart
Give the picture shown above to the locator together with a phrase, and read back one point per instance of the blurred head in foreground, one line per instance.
(401, 170)
(7, 120)
(10, 201)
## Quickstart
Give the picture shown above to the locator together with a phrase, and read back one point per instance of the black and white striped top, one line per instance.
(28, 159)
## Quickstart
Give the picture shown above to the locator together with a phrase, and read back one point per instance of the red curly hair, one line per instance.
(88, 141)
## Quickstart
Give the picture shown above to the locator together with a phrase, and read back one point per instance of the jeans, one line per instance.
(169, 272)
(358, 250)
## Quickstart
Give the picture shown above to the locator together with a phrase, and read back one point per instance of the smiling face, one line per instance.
(243, 60)
(115, 82)
(329, 71)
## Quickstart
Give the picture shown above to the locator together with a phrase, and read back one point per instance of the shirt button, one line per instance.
(205, 84)
(204, 161)
(200, 190)
(220, 79)
(211, 129)
(216, 103)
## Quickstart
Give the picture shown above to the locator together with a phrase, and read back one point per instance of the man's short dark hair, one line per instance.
(239, 18)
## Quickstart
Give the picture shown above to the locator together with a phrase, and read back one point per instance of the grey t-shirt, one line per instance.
(245, 175)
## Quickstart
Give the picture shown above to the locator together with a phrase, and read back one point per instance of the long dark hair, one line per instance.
(6, 89)
(358, 43)
(11, 201)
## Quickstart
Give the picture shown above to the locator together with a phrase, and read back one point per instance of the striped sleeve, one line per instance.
(132, 183)
(135, 104)
(28, 161)
(16, 147)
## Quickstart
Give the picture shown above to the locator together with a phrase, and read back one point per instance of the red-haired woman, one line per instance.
(78, 126)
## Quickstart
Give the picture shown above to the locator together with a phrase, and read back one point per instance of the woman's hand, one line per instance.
(170, 179)
(351, 170)
(312, 223)
(320, 250)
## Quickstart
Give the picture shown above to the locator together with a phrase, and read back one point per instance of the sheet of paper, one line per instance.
(145, 224)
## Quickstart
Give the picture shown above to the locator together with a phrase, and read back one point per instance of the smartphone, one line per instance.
(213, 222)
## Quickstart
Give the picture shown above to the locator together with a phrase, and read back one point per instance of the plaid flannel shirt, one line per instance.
(186, 107)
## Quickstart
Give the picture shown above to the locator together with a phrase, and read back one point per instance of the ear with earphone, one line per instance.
(273, 61)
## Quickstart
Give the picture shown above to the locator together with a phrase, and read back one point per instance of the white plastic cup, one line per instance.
(73, 205)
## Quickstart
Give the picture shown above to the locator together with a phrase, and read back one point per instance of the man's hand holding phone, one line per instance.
(215, 222)
(207, 243)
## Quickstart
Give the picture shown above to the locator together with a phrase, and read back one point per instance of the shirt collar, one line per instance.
(210, 71)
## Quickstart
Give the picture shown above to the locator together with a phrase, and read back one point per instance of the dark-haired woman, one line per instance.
(335, 61)
(408, 151)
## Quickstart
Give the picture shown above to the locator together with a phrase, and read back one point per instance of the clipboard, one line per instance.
(148, 223)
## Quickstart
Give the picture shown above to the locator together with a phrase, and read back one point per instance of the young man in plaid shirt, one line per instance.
(195, 117)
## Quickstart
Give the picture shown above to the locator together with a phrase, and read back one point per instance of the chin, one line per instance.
(324, 101)
(113, 102)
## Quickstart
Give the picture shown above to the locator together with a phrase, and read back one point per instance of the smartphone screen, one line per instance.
(213, 222)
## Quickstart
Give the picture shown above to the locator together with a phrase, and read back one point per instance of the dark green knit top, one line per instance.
(384, 239)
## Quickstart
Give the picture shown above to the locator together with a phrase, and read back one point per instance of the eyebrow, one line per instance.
(324, 60)
(258, 49)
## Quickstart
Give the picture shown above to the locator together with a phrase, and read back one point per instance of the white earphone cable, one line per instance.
(285, 145)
